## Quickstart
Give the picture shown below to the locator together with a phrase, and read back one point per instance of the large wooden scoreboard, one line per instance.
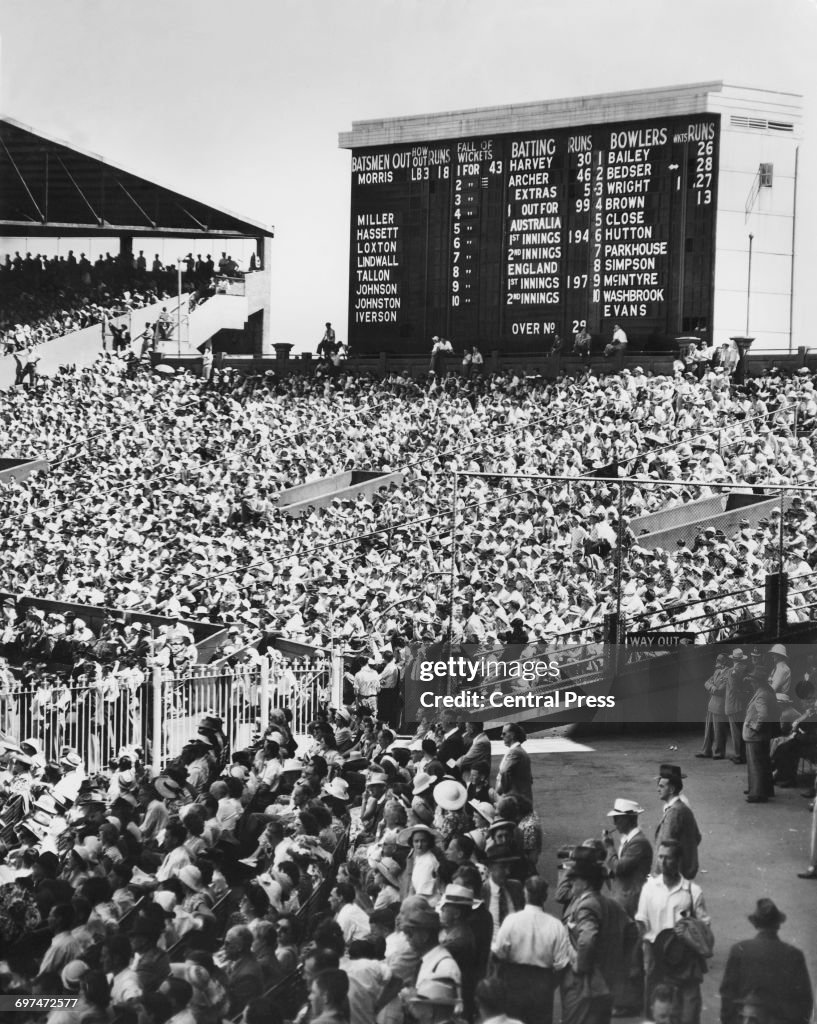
(495, 239)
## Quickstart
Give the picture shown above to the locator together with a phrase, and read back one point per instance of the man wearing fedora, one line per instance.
(677, 821)
(768, 965)
(454, 909)
(667, 900)
(421, 926)
(530, 951)
(586, 995)
(501, 894)
(736, 698)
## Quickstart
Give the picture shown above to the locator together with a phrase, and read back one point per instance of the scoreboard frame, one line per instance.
(608, 223)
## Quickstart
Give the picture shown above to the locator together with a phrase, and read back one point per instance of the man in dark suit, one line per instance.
(501, 894)
(452, 745)
(678, 822)
(629, 866)
(514, 772)
(586, 995)
(478, 753)
(627, 870)
(245, 979)
(768, 965)
(736, 697)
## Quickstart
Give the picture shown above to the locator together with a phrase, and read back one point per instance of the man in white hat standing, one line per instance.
(629, 866)
(367, 687)
(628, 869)
(780, 678)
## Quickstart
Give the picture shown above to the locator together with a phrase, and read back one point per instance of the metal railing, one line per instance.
(95, 718)
(98, 718)
(241, 696)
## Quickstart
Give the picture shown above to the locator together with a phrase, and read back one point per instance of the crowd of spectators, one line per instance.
(358, 878)
(42, 297)
(192, 896)
(162, 497)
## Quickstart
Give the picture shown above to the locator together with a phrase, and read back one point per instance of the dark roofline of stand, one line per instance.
(44, 181)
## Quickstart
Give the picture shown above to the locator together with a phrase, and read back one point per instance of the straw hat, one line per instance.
(450, 795)
(337, 788)
(422, 782)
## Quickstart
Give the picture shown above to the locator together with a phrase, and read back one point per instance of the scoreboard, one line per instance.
(505, 241)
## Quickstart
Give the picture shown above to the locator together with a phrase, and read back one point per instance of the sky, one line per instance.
(240, 104)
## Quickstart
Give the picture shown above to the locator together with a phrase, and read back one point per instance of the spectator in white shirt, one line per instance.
(116, 957)
(531, 949)
(354, 922)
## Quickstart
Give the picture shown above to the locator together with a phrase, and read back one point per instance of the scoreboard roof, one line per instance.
(633, 105)
(48, 186)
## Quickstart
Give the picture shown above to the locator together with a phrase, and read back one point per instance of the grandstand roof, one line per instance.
(50, 187)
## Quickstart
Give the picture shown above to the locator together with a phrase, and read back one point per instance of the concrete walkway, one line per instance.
(748, 850)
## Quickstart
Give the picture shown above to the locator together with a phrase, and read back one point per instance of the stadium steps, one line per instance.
(221, 312)
(80, 348)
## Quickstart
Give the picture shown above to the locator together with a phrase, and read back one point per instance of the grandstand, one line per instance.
(167, 496)
(51, 190)
(206, 577)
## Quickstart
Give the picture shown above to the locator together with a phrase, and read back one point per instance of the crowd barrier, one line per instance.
(241, 696)
(100, 717)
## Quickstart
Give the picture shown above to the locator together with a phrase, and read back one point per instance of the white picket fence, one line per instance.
(160, 715)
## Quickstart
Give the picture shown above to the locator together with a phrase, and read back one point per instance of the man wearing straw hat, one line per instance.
(628, 867)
